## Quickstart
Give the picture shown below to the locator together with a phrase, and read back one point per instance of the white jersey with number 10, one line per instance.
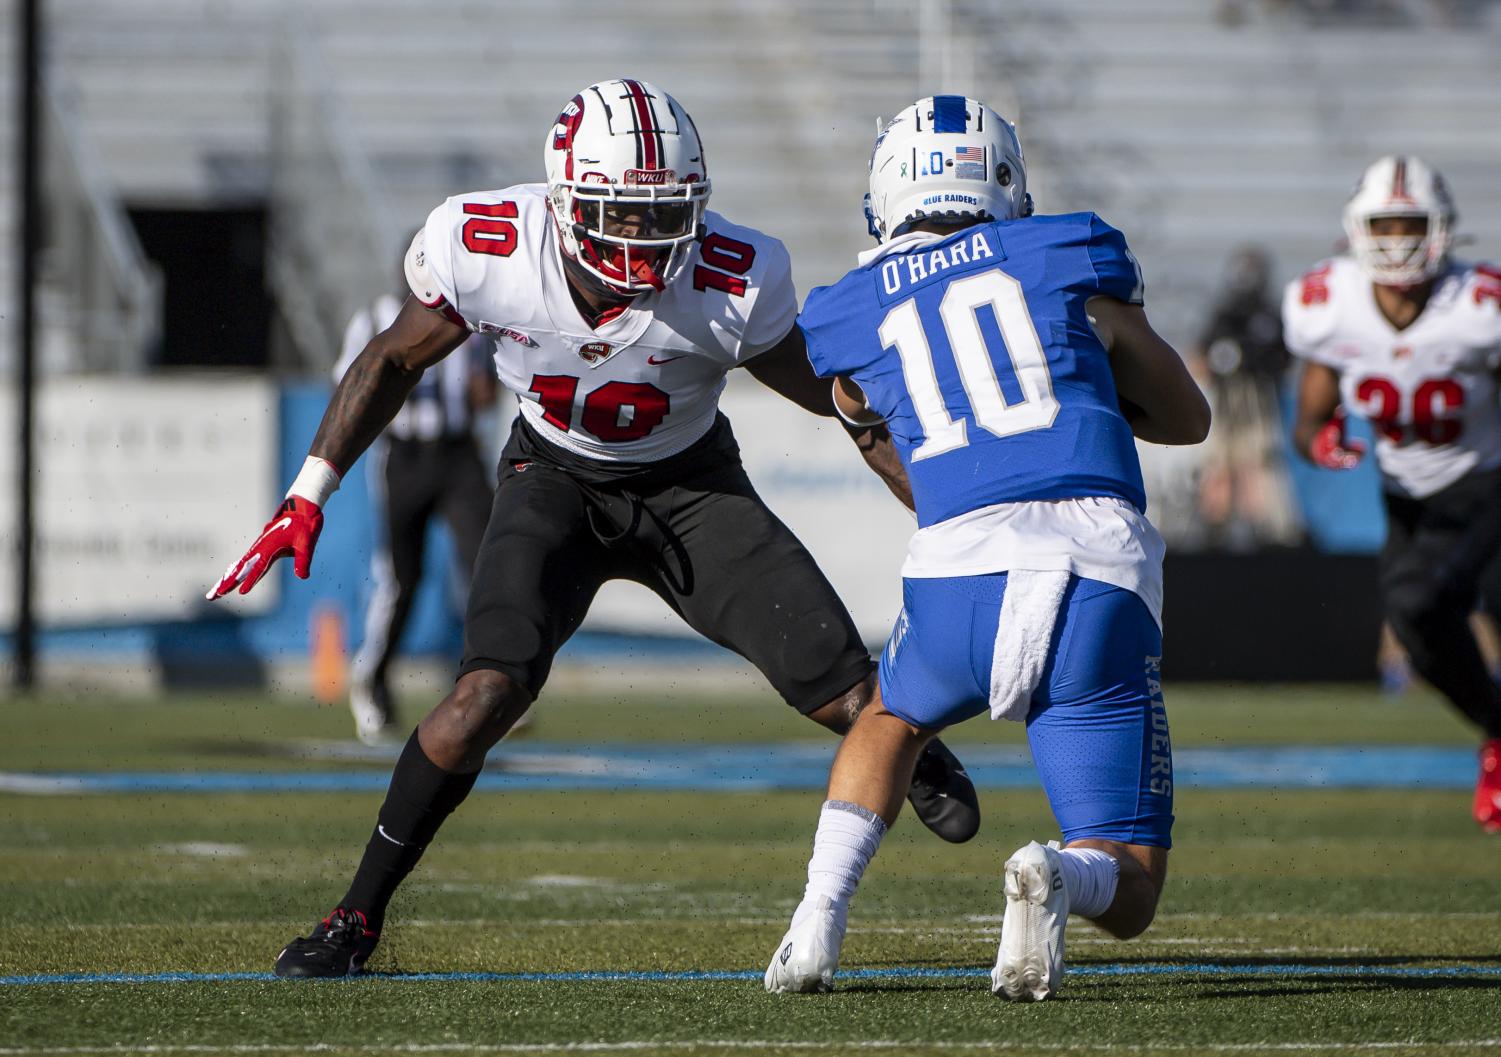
(639, 387)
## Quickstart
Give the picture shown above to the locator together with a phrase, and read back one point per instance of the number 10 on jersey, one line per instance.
(1032, 404)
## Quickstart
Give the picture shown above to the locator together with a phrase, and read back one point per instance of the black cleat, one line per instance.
(339, 946)
(943, 796)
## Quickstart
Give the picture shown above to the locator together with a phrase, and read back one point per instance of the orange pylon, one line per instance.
(329, 655)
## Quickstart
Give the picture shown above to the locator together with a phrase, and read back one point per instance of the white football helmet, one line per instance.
(626, 183)
(946, 158)
(1400, 186)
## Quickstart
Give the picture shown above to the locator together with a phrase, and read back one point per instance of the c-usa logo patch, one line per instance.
(486, 327)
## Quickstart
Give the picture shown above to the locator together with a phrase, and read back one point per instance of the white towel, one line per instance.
(1028, 612)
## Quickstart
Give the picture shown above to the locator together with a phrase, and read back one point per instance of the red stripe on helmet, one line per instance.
(1399, 182)
(651, 140)
(656, 131)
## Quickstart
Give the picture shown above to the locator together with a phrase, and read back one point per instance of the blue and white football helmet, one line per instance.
(945, 158)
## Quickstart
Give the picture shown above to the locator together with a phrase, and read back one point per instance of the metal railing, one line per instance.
(107, 293)
(333, 240)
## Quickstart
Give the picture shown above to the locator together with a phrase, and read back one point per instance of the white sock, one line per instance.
(847, 836)
(1089, 877)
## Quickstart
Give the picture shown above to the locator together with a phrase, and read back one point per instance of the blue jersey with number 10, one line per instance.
(978, 352)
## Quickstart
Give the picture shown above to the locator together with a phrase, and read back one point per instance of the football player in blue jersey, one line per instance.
(1011, 362)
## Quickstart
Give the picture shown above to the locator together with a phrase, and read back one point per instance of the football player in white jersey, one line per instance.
(1403, 335)
(617, 303)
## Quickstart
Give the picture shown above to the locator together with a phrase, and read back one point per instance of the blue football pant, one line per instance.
(1097, 724)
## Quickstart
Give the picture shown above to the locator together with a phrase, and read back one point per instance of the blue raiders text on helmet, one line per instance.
(946, 158)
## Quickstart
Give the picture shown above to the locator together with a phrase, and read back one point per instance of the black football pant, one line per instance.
(1440, 553)
(415, 481)
(691, 528)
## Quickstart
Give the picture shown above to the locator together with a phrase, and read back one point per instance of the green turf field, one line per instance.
(1299, 907)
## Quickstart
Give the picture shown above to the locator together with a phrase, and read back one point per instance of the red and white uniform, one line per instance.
(1429, 391)
(639, 387)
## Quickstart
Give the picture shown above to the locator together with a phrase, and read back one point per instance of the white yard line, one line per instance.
(969, 923)
(758, 1045)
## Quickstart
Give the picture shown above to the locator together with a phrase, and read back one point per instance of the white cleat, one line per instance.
(1029, 964)
(371, 707)
(808, 956)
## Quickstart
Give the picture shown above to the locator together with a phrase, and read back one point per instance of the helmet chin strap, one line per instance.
(642, 270)
(639, 268)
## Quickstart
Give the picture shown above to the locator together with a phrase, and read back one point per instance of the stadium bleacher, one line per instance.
(1190, 133)
(1194, 136)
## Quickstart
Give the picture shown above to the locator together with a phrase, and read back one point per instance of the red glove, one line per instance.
(294, 530)
(1331, 449)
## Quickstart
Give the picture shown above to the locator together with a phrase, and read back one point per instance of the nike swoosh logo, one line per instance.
(657, 363)
(283, 523)
(382, 831)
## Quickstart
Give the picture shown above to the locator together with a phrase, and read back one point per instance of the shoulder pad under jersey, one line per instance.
(419, 275)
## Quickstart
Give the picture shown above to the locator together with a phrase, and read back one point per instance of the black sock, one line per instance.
(420, 797)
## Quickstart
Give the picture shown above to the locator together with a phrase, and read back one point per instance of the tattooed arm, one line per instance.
(379, 380)
(368, 397)
(879, 452)
(868, 430)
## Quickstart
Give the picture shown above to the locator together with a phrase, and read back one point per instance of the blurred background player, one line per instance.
(1011, 360)
(1245, 497)
(617, 304)
(426, 463)
(1399, 333)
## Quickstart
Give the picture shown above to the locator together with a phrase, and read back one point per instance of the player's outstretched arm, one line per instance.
(379, 381)
(1158, 396)
(1319, 423)
(784, 368)
(879, 452)
(869, 432)
(368, 396)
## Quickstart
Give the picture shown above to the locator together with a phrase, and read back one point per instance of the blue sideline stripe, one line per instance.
(794, 765)
(691, 975)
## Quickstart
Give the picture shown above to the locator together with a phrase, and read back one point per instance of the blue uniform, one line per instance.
(1020, 288)
(977, 350)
